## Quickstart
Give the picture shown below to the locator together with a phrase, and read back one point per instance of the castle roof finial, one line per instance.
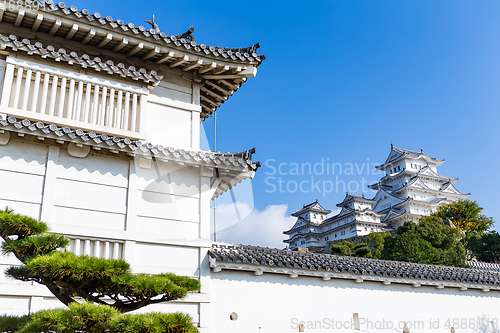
(392, 144)
(153, 24)
(421, 150)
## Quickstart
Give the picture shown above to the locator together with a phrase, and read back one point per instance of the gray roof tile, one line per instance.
(83, 60)
(353, 265)
(184, 41)
(238, 160)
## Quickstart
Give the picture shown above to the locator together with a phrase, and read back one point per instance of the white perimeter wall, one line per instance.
(276, 303)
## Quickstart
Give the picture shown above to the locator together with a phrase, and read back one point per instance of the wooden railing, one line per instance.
(72, 99)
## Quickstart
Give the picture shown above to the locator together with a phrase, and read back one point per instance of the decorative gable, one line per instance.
(418, 183)
(392, 156)
(449, 188)
(390, 215)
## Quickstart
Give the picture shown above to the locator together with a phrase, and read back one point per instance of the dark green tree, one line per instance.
(106, 282)
(428, 242)
(362, 250)
(343, 248)
(467, 215)
(375, 241)
(485, 247)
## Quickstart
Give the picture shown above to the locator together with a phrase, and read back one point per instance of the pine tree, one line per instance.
(105, 282)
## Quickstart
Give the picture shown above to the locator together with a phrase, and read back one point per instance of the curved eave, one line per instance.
(349, 224)
(301, 236)
(426, 158)
(354, 198)
(59, 20)
(361, 212)
(296, 229)
(400, 215)
(389, 193)
(431, 204)
(32, 48)
(314, 210)
(433, 176)
(429, 190)
(227, 169)
(407, 154)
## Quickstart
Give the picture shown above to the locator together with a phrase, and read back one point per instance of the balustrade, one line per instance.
(96, 248)
(48, 94)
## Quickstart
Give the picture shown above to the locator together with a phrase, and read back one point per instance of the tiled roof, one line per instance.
(400, 152)
(357, 198)
(486, 266)
(117, 144)
(411, 173)
(311, 207)
(421, 185)
(184, 41)
(220, 70)
(313, 262)
(83, 60)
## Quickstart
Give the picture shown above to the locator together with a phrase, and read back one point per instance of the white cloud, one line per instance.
(260, 228)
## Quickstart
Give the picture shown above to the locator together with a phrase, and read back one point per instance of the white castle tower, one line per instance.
(410, 189)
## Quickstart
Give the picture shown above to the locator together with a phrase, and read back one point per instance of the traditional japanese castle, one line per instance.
(100, 138)
(410, 188)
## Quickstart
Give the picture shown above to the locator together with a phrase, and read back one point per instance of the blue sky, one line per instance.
(344, 79)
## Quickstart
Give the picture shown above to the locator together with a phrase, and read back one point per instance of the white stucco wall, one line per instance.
(156, 215)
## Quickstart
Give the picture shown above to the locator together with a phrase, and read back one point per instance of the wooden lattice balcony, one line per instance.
(53, 95)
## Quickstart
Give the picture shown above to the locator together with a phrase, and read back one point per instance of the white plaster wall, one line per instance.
(276, 303)
(168, 126)
(154, 215)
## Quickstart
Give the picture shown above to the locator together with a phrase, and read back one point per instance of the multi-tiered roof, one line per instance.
(62, 60)
(410, 188)
(92, 40)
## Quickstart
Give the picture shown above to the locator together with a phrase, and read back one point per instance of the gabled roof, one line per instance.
(428, 172)
(220, 70)
(307, 235)
(354, 198)
(383, 192)
(349, 211)
(344, 211)
(448, 187)
(397, 153)
(415, 182)
(312, 207)
(299, 224)
(391, 214)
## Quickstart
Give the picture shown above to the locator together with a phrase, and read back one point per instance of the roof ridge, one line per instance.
(186, 39)
(85, 60)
